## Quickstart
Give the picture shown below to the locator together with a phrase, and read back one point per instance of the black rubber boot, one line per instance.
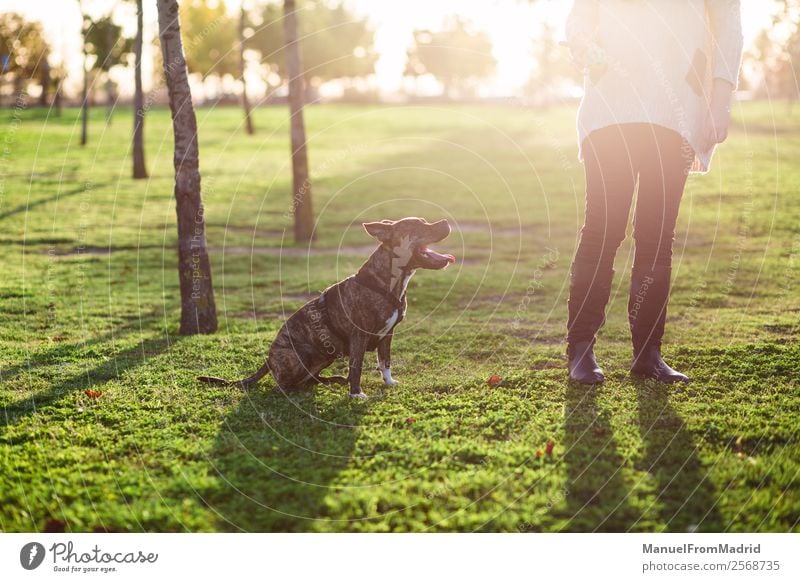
(649, 364)
(590, 288)
(583, 366)
(647, 314)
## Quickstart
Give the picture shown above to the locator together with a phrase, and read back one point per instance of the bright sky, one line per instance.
(512, 25)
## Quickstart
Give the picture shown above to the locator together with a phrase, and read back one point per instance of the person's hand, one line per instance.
(717, 122)
(577, 51)
(718, 117)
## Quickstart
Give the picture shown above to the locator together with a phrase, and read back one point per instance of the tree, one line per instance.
(248, 118)
(104, 40)
(336, 44)
(45, 82)
(301, 184)
(776, 53)
(58, 75)
(139, 167)
(23, 51)
(554, 68)
(457, 56)
(212, 35)
(86, 23)
(198, 310)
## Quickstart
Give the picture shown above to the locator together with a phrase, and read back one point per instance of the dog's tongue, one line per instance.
(435, 255)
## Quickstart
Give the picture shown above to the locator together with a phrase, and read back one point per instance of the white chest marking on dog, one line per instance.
(389, 324)
(402, 256)
(405, 282)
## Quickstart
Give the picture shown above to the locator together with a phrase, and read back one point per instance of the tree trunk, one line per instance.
(198, 311)
(19, 88)
(57, 97)
(44, 98)
(85, 99)
(109, 99)
(248, 119)
(301, 185)
(109, 82)
(139, 167)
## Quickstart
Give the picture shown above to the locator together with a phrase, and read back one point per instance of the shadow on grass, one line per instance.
(597, 497)
(277, 455)
(30, 205)
(66, 351)
(92, 377)
(682, 497)
(685, 497)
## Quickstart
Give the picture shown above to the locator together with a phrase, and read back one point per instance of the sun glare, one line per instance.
(512, 26)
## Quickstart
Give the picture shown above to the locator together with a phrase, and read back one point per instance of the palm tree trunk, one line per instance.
(248, 118)
(139, 167)
(198, 310)
(301, 185)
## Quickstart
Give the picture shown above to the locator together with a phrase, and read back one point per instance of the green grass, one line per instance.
(89, 300)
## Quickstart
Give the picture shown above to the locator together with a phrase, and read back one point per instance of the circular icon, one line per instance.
(31, 555)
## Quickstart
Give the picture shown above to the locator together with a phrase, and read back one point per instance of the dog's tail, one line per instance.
(262, 371)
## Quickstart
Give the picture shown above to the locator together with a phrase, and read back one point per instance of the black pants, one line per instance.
(616, 158)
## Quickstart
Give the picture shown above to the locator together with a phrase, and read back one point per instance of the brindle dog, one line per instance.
(356, 315)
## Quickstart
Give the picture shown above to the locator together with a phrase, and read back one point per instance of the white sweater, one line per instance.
(662, 58)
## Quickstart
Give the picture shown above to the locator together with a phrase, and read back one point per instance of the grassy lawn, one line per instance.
(89, 301)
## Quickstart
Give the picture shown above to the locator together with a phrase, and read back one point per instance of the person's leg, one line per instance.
(610, 159)
(663, 172)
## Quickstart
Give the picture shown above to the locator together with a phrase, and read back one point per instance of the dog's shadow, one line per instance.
(276, 457)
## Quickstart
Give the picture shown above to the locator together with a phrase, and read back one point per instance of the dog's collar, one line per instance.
(369, 282)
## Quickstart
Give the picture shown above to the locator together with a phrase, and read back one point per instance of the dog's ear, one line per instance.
(380, 230)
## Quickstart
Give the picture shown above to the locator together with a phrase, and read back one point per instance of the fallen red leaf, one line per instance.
(549, 448)
(411, 420)
(93, 393)
(494, 380)
(54, 526)
(538, 454)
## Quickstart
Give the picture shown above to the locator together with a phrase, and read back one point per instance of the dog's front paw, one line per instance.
(387, 377)
(358, 396)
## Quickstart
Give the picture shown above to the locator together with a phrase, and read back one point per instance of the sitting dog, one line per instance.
(356, 315)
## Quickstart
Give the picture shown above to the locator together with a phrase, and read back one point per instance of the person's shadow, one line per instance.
(685, 496)
(670, 489)
(276, 457)
(595, 492)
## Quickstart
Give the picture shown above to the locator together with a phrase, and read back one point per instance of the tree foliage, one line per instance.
(554, 67)
(210, 38)
(23, 48)
(104, 40)
(335, 43)
(457, 55)
(776, 53)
